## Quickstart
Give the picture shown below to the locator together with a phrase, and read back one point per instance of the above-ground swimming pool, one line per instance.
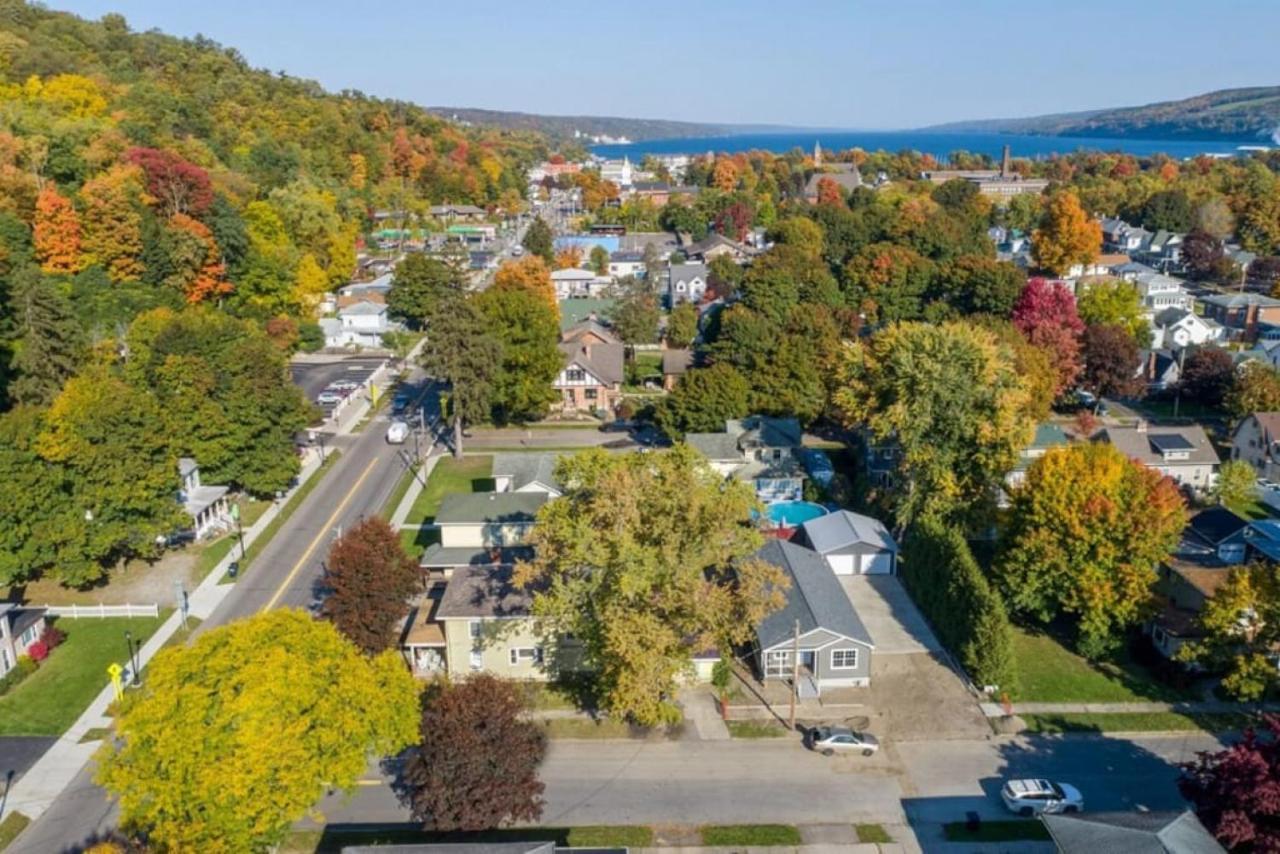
(793, 514)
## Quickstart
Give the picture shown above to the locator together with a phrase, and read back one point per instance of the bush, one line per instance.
(940, 573)
(38, 651)
(52, 637)
(310, 337)
(25, 667)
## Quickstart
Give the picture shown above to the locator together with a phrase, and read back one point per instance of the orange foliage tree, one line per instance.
(204, 273)
(56, 232)
(529, 273)
(829, 192)
(1066, 236)
(568, 258)
(113, 222)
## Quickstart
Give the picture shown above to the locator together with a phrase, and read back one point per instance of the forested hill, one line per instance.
(562, 128)
(1247, 115)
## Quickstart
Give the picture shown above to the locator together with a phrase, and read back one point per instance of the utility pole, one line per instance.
(1177, 394)
(795, 674)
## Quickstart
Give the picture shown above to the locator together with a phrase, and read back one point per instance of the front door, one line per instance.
(808, 661)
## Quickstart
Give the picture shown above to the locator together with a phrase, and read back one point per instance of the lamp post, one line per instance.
(133, 658)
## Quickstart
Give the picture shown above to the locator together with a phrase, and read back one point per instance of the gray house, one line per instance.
(1131, 832)
(852, 544)
(834, 646)
(19, 628)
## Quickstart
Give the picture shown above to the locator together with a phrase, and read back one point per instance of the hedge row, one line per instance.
(967, 613)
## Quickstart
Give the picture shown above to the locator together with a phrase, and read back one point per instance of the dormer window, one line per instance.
(1171, 447)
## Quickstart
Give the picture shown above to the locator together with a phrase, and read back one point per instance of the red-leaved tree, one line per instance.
(1236, 792)
(369, 579)
(1046, 314)
(477, 765)
(178, 185)
(734, 221)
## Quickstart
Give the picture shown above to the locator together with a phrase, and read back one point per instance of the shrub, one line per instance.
(38, 651)
(52, 637)
(940, 573)
(24, 668)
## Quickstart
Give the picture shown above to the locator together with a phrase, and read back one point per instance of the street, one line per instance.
(283, 575)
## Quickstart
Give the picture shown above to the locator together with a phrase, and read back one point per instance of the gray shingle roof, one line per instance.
(1131, 833)
(524, 469)
(605, 362)
(676, 362)
(1140, 444)
(842, 529)
(483, 591)
(437, 556)
(476, 508)
(718, 447)
(815, 599)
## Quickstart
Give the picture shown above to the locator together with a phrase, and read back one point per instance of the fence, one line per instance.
(77, 611)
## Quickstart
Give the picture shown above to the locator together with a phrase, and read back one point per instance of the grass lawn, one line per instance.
(469, 474)
(397, 494)
(290, 507)
(416, 540)
(1014, 830)
(750, 834)
(599, 836)
(13, 824)
(586, 728)
(1186, 409)
(1137, 722)
(756, 729)
(49, 700)
(872, 833)
(1051, 673)
(1251, 509)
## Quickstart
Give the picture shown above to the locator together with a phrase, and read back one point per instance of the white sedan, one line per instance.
(1033, 797)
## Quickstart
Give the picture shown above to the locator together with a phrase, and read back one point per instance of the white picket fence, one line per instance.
(77, 611)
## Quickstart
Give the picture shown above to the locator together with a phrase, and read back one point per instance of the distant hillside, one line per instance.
(1247, 115)
(563, 127)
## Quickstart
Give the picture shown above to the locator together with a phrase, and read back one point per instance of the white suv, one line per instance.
(1033, 797)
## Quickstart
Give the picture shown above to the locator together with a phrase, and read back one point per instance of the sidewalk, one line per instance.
(995, 710)
(411, 495)
(60, 764)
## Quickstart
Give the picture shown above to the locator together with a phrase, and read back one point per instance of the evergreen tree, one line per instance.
(539, 240)
(462, 351)
(48, 341)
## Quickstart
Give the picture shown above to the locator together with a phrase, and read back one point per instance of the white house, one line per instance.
(619, 172)
(206, 505)
(1160, 292)
(479, 520)
(1256, 440)
(527, 472)
(626, 264)
(359, 325)
(575, 282)
(1183, 453)
(686, 283)
(1178, 328)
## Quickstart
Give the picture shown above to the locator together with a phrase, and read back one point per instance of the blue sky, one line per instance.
(854, 64)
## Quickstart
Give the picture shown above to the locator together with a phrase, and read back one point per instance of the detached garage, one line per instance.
(852, 544)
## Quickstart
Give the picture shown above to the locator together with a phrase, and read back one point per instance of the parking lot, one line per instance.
(314, 377)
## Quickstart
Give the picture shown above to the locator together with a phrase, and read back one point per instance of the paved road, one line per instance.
(282, 575)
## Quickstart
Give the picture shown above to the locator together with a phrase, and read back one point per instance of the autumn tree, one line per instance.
(599, 260)
(1085, 534)
(1207, 375)
(1046, 314)
(829, 192)
(463, 352)
(112, 236)
(310, 284)
(1239, 628)
(527, 274)
(950, 397)
(538, 240)
(976, 285)
(635, 315)
(368, 580)
(177, 185)
(645, 560)
(568, 258)
(1236, 484)
(56, 232)
(1111, 361)
(199, 272)
(1233, 789)
(1067, 235)
(887, 282)
(682, 325)
(476, 764)
(1202, 254)
(703, 399)
(1256, 388)
(1115, 303)
(235, 736)
(529, 330)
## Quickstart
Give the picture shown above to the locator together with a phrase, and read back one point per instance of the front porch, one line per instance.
(423, 644)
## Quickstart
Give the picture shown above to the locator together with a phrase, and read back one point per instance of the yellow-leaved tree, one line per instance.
(1066, 236)
(235, 737)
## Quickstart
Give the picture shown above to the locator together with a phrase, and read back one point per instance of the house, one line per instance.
(1256, 440)
(1130, 832)
(592, 376)
(1266, 349)
(1099, 267)
(675, 364)
(618, 171)
(1183, 453)
(686, 283)
(1119, 236)
(361, 324)
(589, 332)
(452, 212)
(761, 450)
(1241, 313)
(575, 282)
(1179, 328)
(527, 472)
(1159, 292)
(487, 625)
(852, 544)
(1048, 435)
(1162, 249)
(715, 245)
(1159, 369)
(20, 627)
(845, 176)
(835, 648)
(482, 520)
(206, 505)
(626, 264)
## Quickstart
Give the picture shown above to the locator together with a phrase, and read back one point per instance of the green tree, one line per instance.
(462, 351)
(977, 285)
(951, 398)
(539, 240)
(887, 282)
(1115, 303)
(1256, 388)
(235, 737)
(1085, 534)
(37, 521)
(48, 342)
(1170, 210)
(703, 399)
(682, 325)
(418, 285)
(635, 315)
(1240, 624)
(599, 260)
(645, 560)
(529, 331)
(1236, 484)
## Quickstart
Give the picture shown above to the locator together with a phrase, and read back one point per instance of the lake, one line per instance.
(937, 144)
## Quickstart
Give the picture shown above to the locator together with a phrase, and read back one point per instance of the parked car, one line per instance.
(830, 740)
(397, 433)
(327, 396)
(1033, 797)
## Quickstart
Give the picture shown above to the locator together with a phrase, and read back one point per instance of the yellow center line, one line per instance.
(297, 567)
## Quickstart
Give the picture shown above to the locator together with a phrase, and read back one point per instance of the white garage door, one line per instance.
(842, 564)
(877, 564)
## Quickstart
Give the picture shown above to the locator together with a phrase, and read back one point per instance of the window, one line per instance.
(525, 654)
(477, 659)
(5, 663)
(29, 636)
(476, 629)
(777, 663)
(844, 659)
(575, 375)
(589, 394)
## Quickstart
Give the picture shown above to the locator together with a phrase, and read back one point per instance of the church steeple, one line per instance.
(817, 153)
